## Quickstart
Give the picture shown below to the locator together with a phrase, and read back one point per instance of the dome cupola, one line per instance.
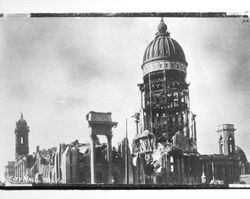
(22, 121)
(163, 47)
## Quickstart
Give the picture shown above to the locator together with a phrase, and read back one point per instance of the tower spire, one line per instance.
(162, 27)
(22, 137)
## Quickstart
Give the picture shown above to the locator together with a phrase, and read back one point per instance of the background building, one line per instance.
(10, 169)
(67, 163)
(24, 161)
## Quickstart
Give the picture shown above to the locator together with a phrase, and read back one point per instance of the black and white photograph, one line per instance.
(124, 100)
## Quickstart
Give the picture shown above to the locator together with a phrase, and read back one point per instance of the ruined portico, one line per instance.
(100, 124)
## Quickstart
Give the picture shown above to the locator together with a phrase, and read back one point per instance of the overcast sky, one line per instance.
(56, 70)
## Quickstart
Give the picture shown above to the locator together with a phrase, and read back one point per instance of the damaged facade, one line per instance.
(164, 147)
(67, 163)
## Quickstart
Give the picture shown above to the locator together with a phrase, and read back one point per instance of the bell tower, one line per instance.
(226, 139)
(22, 137)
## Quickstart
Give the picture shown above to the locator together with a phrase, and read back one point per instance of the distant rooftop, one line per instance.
(93, 116)
(225, 127)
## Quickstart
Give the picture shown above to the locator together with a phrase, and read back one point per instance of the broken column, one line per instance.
(101, 124)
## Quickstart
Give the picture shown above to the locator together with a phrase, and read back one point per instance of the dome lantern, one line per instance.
(162, 27)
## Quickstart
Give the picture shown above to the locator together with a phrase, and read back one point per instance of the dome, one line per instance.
(22, 120)
(163, 47)
(241, 154)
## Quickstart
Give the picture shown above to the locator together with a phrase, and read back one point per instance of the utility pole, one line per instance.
(126, 153)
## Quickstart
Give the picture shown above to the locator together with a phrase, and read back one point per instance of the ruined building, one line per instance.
(167, 136)
(70, 163)
(164, 147)
(118, 164)
(24, 161)
(230, 163)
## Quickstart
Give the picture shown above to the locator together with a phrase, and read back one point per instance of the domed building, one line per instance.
(165, 144)
(166, 141)
(164, 149)
(165, 104)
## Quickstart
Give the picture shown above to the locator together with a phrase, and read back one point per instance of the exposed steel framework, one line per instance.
(165, 104)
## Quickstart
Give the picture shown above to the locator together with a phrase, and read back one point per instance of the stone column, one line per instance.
(109, 155)
(182, 170)
(194, 128)
(18, 170)
(229, 174)
(92, 159)
(188, 173)
(137, 126)
(234, 172)
(224, 173)
(22, 170)
(177, 168)
(150, 98)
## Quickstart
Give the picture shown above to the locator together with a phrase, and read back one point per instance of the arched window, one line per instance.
(221, 145)
(21, 140)
(230, 144)
(172, 168)
(171, 164)
(171, 159)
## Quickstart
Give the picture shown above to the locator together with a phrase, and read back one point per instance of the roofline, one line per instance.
(163, 58)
